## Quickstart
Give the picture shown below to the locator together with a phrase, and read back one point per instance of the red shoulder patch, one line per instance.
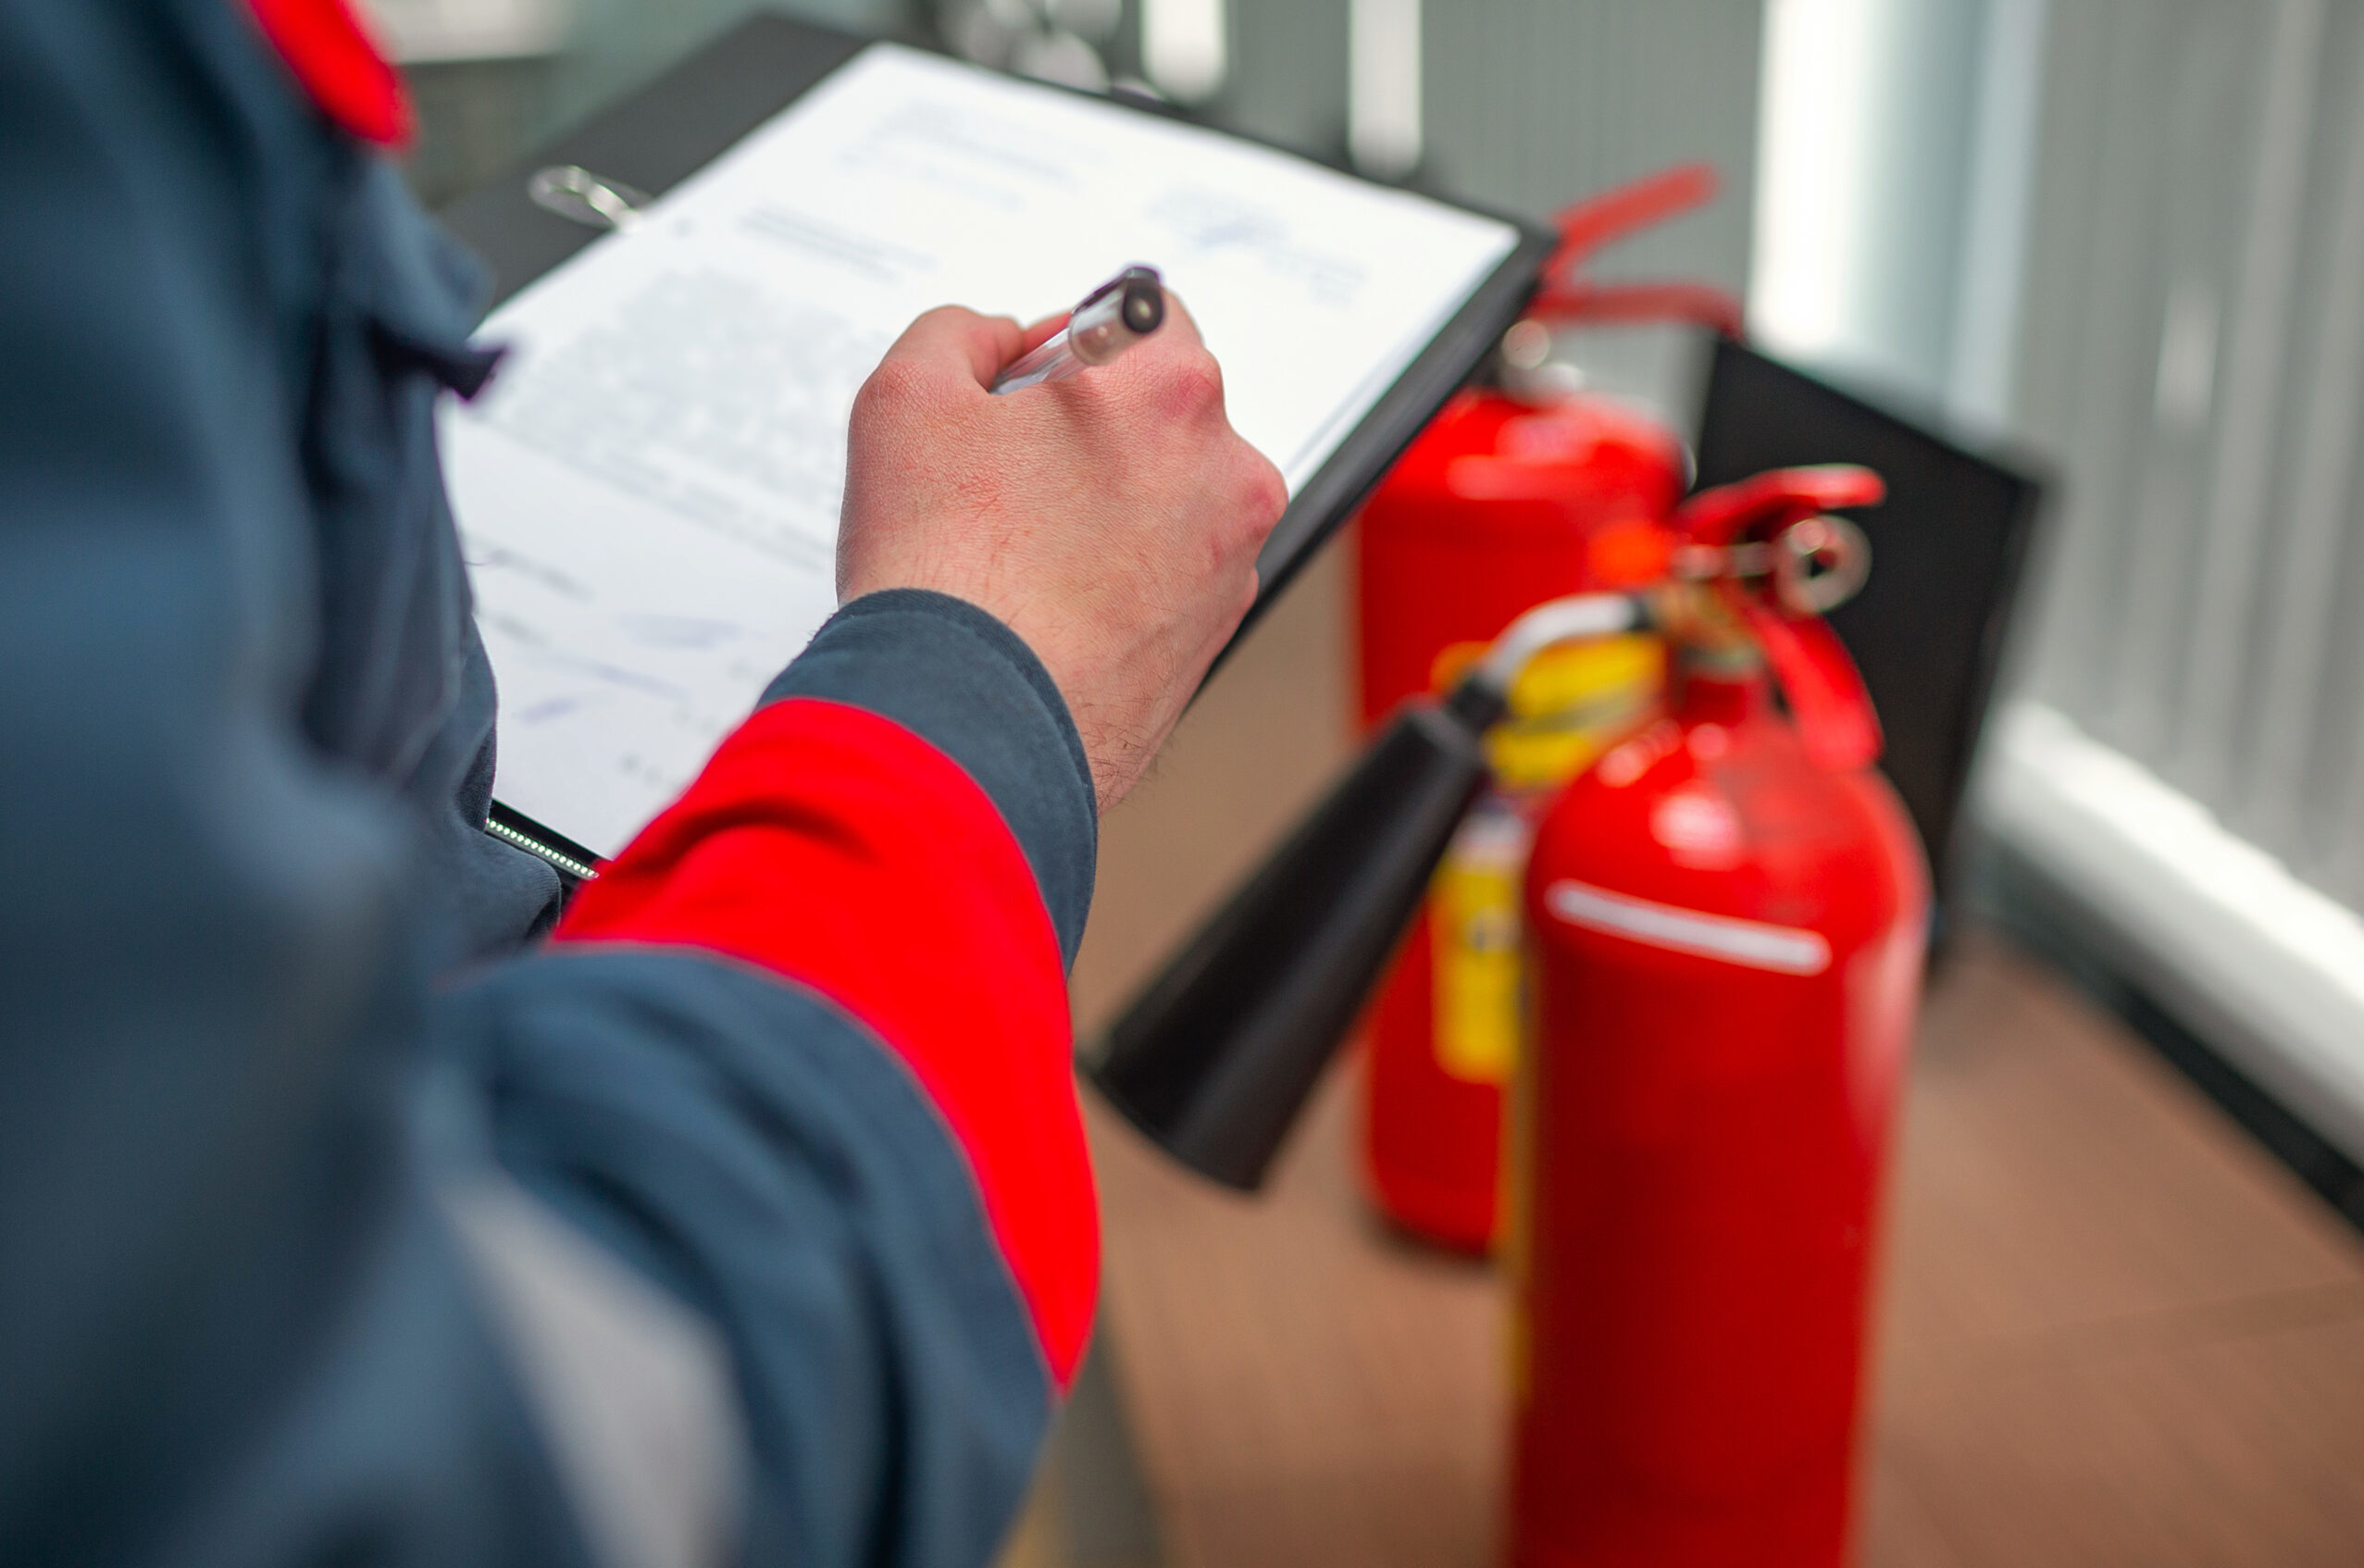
(339, 65)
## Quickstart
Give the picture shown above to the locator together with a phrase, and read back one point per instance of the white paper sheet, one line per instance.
(648, 494)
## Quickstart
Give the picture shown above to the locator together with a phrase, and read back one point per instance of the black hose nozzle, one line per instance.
(1216, 1057)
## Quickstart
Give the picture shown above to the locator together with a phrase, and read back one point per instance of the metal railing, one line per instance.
(2185, 752)
(2193, 351)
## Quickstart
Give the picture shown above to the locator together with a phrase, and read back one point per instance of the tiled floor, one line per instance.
(2116, 1333)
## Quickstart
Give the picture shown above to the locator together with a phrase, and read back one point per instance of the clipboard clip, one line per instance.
(579, 196)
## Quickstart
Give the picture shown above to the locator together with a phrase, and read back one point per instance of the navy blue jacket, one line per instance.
(346, 1216)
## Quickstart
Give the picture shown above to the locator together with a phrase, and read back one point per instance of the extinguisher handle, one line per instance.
(1835, 719)
(1611, 214)
(1598, 220)
(1777, 497)
(1582, 301)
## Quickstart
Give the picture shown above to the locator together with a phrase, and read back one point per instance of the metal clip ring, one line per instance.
(580, 196)
(1819, 564)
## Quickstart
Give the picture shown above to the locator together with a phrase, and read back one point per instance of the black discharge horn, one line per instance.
(1216, 1055)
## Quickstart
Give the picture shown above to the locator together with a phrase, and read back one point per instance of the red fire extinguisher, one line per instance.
(1726, 916)
(1507, 499)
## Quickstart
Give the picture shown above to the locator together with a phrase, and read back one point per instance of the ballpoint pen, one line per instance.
(1109, 321)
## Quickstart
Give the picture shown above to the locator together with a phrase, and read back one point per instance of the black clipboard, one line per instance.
(668, 130)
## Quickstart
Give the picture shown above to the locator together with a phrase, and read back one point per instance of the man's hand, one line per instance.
(1112, 519)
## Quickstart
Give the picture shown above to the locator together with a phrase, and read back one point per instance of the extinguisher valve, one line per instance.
(1816, 564)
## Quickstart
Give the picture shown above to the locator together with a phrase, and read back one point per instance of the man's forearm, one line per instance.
(802, 1055)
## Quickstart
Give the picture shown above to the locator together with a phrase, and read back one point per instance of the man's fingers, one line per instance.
(1171, 375)
(1172, 367)
(951, 337)
(1178, 315)
(983, 344)
(1043, 331)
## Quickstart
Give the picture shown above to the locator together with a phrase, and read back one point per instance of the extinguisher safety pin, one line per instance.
(1816, 564)
(1702, 563)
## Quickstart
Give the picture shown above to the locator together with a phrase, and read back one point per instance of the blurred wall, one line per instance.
(1875, 117)
(2185, 760)
(2129, 233)
(477, 116)
(1528, 104)
(2193, 353)
(1532, 104)
(1287, 79)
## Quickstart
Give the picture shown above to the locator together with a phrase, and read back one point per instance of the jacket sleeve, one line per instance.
(802, 1053)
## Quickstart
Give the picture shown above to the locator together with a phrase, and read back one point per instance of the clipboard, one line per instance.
(668, 131)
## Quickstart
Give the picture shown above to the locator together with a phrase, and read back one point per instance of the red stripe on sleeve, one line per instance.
(840, 851)
(341, 65)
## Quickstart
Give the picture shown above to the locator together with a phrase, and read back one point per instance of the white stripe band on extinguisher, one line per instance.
(1784, 949)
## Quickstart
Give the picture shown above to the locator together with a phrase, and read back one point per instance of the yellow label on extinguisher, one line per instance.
(1474, 935)
(1566, 706)
(1515, 1216)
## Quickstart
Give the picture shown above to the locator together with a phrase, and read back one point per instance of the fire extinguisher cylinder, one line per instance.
(1217, 1055)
